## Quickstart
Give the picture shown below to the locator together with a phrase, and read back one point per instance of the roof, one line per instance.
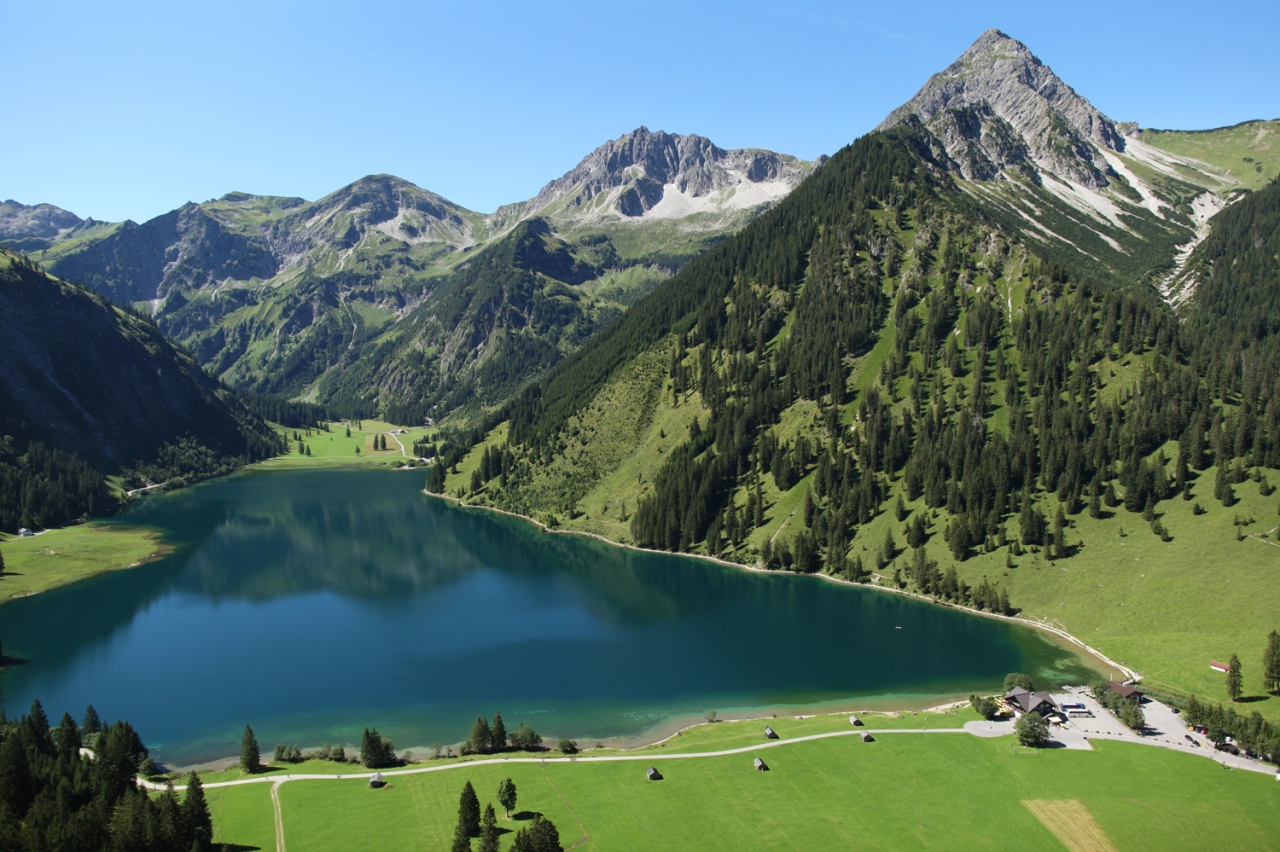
(1026, 700)
(759, 763)
(1122, 690)
(1214, 664)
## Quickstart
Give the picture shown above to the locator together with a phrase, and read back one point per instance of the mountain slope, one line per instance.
(884, 379)
(100, 390)
(1043, 160)
(271, 293)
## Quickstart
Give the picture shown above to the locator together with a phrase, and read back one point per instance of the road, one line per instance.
(1068, 736)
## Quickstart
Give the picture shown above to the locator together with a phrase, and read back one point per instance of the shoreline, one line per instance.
(1057, 632)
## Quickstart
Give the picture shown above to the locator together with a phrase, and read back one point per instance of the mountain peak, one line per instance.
(999, 108)
(630, 176)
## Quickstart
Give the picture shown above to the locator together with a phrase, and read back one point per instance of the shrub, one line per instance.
(1032, 730)
(568, 746)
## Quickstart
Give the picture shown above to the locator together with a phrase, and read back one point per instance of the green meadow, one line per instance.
(902, 791)
(58, 557)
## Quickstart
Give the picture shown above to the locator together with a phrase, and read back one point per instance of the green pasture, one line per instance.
(61, 556)
(902, 791)
(335, 448)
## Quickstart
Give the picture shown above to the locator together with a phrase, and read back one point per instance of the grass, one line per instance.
(335, 447)
(902, 791)
(62, 556)
(1249, 151)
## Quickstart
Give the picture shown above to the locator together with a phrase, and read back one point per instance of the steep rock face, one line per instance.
(91, 379)
(184, 248)
(998, 106)
(634, 173)
(39, 221)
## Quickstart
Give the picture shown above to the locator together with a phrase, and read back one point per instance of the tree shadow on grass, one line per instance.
(1252, 699)
(523, 816)
(236, 847)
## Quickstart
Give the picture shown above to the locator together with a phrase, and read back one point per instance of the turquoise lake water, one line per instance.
(311, 604)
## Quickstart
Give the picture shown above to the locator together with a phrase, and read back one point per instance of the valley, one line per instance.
(696, 427)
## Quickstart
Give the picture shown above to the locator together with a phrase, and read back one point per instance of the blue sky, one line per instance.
(130, 111)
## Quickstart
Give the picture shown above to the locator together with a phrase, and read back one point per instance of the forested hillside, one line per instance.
(878, 381)
(88, 389)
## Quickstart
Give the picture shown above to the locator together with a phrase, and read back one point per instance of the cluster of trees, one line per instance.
(44, 486)
(52, 797)
(1270, 670)
(377, 751)
(288, 412)
(1252, 732)
(540, 835)
(1127, 710)
(486, 737)
(994, 419)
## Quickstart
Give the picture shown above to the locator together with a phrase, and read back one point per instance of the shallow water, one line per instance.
(311, 604)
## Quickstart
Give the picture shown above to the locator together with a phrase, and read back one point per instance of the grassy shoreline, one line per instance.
(67, 555)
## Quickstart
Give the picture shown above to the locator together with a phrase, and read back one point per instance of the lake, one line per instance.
(313, 603)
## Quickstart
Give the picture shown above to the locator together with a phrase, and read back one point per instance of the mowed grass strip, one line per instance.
(905, 791)
(1073, 825)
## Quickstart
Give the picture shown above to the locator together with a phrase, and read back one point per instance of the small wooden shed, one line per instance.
(760, 765)
(376, 781)
(855, 721)
(769, 733)
(653, 774)
(866, 737)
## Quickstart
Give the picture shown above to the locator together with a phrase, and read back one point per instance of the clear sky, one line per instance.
(127, 110)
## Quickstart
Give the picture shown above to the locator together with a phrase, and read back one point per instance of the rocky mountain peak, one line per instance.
(632, 175)
(999, 109)
(39, 221)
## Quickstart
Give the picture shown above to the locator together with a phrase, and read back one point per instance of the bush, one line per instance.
(984, 706)
(568, 746)
(1032, 730)
(1017, 679)
(525, 739)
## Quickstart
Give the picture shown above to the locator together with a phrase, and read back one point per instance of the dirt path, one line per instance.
(275, 807)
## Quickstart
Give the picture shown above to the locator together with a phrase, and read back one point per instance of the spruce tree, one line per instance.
(461, 840)
(480, 735)
(17, 789)
(1271, 663)
(250, 756)
(1235, 679)
(1059, 536)
(91, 723)
(497, 733)
(197, 825)
(469, 811)
(489, 831)
(68, 738)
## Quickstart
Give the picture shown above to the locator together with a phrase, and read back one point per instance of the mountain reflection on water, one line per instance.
(313, 603)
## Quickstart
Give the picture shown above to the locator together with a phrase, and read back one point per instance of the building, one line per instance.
(866, 737)
(769, 733)
(855, 721)
(25, 532)
(653, 774)
(376, 781)
(760, 766)
(1219, 667)
(1128, 693)
(1026, 701)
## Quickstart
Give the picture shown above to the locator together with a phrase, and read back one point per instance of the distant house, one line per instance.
(1219, 667)
(855, 721)
(769, 733)
(760, 765)
(1129, 693)
(23, 531)
(1026, 701)
(866, 737)
(376, 781)
(653, 774)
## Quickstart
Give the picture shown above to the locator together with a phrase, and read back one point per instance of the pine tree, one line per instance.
(1059, 535)
(68, 738)
(461, 840)
(1271, 663)
(17, 788)
(497, 733)
(469, 811)
(250, 756)
(1222, 486)
(480, 735)
(197, 825)
(91, 723)
(1235, 679)
(489, 831)
(507, 795)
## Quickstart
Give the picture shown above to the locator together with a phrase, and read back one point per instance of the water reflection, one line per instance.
(312, 603)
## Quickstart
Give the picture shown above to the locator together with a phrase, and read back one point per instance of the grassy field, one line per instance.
(58, 557)
(1249, 151)
(905, 791)
(335, 448)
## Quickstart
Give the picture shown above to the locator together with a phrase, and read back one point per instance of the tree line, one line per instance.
(55, 797)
